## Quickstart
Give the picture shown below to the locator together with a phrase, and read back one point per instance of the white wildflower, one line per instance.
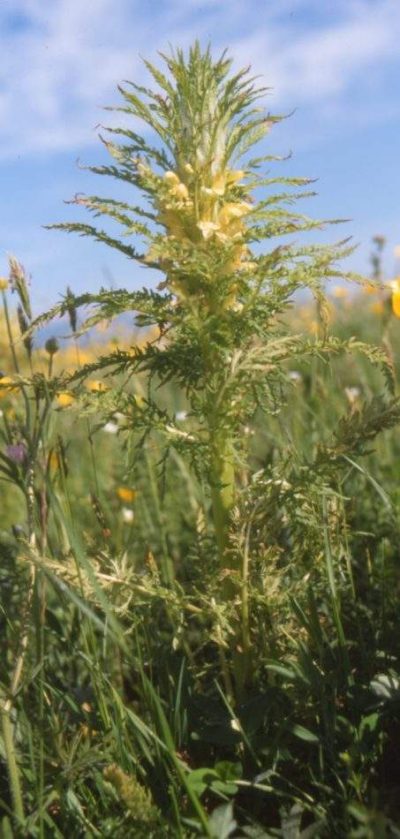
(352, 393)
(110, 427)
(295, 376)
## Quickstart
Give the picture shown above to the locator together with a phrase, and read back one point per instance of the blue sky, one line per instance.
(336, 63)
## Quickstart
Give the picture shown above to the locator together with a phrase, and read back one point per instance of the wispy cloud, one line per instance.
(325, 60)
(62, 60)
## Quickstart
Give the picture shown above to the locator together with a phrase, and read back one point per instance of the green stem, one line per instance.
(7, 725)
(222, 492)
(12, 765)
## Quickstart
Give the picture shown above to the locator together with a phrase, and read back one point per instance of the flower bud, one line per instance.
(52, 346)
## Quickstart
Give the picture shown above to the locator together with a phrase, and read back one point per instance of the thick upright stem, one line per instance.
(222, 493)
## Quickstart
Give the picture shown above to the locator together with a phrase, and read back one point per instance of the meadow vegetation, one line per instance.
(199, 533)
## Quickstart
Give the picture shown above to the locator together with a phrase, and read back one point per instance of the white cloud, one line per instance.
(62, 60)
(324, 61)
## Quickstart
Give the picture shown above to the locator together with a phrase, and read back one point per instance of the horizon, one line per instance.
(336, 68)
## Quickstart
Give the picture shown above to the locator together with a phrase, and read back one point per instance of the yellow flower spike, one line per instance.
(96, 386)
(396, 297)
(64, 399)
(126, 494)
(3, 284)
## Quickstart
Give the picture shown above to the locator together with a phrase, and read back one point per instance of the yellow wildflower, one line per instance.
(378, 307)
(233, 210)
(369, 288)
(7, 386)
(340, 292)
(54, 462)
(234, 175)
(207, 228)
(96, 386)
(64, 399)
(180, 191)
(218, 184)
(126, 494)
(3, 284)
(171, 178)
(396, 297)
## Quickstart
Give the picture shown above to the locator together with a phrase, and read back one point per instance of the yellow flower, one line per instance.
(54, 462)
(3, 284)
(7, 386)
(378, 307)
(218, 184)
(340, 292)
(369, 288)
(171, 178)
(234, 175)
(126, 494)
(207, 228)
(233, 210)
(177, 188)
(180, 191)
(396, 297)
(64, 399)
(96, 386)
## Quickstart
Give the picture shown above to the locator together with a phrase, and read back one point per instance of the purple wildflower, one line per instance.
(16, 452)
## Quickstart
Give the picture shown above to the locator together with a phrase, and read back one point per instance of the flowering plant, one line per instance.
(206, 210)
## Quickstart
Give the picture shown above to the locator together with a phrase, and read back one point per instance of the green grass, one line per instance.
(129, 659)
